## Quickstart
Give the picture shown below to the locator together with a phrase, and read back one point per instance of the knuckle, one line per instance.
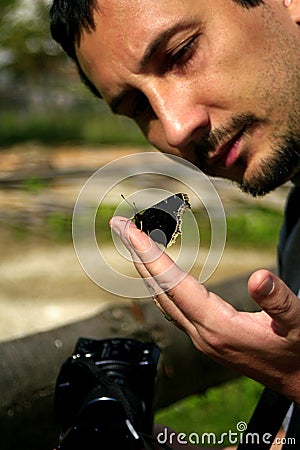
(280, 306)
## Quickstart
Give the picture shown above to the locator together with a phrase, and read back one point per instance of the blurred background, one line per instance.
(53, 136)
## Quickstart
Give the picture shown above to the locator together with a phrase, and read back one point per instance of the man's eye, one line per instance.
(183, 55)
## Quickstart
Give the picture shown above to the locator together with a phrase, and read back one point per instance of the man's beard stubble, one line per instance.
(283, 163)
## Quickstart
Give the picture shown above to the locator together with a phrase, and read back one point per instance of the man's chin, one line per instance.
(261, 186)
(255, 191)
(261, 180)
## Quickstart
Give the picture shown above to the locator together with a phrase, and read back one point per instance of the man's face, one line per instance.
(210, 81)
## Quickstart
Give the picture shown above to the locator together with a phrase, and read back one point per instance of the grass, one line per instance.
(59, 226)
(218, 411)
(33, 184)
(256, 227)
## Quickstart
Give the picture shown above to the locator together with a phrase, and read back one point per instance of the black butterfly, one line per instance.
(162, 221)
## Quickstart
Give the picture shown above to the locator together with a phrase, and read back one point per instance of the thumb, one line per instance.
(276, 299)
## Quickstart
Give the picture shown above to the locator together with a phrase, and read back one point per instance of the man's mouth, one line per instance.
(227, 154)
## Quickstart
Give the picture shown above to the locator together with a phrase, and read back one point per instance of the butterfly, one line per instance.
(162, 221)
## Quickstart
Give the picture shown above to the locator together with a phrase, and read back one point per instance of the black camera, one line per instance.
(104, 395)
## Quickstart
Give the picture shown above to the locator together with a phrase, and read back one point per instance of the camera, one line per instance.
(104, 395)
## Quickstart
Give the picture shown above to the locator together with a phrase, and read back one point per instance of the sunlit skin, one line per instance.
(186, 73)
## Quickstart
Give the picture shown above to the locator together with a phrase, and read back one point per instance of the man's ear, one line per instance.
(294, 9)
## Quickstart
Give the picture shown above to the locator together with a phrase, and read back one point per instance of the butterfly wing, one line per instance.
(162, 221)
(157, 223)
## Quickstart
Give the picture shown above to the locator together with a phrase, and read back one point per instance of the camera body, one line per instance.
(104, 394)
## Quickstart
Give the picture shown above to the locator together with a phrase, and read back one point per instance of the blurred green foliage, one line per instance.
(25, 39)
(41, 96)
(59, 226)
(74, 127)
(256, 227)
(33, 184)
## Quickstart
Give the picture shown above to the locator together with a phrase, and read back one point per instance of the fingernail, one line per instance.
(118, 225)
(130, 235)
(266, 287)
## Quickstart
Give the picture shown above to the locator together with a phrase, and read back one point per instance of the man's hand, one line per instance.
(263, 345)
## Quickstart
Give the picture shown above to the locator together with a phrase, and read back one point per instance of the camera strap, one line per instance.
(101, 379)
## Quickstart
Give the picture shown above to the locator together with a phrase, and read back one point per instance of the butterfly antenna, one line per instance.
(133, 205)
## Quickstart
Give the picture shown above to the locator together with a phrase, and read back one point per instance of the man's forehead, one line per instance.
(122, 11)
(131, 25)
(130, 33)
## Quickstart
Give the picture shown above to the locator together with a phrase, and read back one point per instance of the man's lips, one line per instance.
(227, 154)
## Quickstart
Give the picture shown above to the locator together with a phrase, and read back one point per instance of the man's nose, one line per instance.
(182, 119)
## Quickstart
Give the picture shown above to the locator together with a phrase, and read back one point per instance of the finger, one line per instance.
(151, 261)
(188, 302)
(277, 300)
(150, 253)
(185, 291)
(127, 230)
(159, 265)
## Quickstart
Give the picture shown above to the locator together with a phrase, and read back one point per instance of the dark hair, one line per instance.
(68, 18)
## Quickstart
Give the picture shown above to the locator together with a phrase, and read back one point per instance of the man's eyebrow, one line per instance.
(157, 42)
(162, 38)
